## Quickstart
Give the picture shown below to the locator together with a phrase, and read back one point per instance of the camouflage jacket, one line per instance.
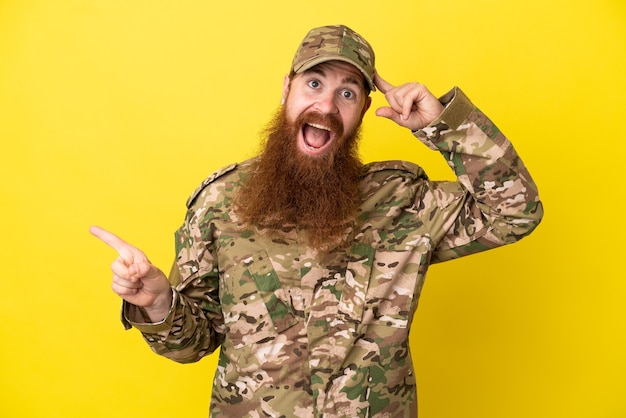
(309, 335)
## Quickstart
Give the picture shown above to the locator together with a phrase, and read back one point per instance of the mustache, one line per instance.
(328, 120)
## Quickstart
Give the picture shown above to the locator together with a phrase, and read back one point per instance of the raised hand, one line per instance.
(411, 105)
(135, 278)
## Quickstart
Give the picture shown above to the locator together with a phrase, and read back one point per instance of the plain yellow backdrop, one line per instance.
(112, 111)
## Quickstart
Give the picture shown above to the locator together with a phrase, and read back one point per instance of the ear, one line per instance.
(366, 105)
(286, 83)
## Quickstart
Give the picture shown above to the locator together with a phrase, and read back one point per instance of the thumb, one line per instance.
(387, 112)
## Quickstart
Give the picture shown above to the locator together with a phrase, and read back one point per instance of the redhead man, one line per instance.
(305, 265)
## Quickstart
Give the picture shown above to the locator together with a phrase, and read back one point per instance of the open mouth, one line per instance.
(316, 138)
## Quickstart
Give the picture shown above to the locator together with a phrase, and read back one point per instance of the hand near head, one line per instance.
(135, 279)
(411, 105)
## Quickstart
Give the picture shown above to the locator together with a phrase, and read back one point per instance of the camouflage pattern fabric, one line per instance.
(310, 335)
(339, 42)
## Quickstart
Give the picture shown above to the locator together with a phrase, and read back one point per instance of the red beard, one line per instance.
(287, 188)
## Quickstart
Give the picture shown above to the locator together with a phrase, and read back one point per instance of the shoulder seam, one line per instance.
(214, 176)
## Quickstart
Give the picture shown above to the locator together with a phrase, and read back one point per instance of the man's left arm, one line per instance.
(501, 204)
(494, 200)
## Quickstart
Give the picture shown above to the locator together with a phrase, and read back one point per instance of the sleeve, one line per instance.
(494, 200)
(194, 325)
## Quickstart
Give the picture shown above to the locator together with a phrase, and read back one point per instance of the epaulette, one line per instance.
(217, 174)
(396, 165)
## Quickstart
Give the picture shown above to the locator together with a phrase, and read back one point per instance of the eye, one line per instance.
(348, 94)
(314, 84)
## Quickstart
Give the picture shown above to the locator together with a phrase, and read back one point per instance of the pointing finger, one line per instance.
(381, 84)
(108, 238)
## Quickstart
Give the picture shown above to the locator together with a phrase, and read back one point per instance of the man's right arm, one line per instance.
(193, 324)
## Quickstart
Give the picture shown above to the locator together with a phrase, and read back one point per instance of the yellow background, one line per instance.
(112, 111)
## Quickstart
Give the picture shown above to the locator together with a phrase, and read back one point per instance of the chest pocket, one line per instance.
(381, 285)
(252, 310)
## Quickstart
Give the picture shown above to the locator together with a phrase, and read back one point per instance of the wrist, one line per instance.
(160, 309)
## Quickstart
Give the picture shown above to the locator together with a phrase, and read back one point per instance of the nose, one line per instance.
(326, 104)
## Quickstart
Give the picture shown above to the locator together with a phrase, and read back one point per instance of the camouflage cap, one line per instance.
(339, 42)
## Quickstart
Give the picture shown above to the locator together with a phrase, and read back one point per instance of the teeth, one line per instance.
(315, 125)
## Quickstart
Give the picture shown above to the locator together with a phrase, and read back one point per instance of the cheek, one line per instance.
(293, 109)
(352, 114)
(352, 120)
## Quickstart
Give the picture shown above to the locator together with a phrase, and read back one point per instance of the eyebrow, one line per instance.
(346, 80)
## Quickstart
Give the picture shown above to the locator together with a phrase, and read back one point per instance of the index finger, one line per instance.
(381, 84)
(108, 238)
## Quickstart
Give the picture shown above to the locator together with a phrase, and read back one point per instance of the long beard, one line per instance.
(287, 188)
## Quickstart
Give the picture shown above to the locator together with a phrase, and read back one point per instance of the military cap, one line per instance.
(337, 42)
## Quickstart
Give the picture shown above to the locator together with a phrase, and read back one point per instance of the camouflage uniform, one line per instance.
(309, 335)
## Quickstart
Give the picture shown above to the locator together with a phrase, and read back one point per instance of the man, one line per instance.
(304, 265)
